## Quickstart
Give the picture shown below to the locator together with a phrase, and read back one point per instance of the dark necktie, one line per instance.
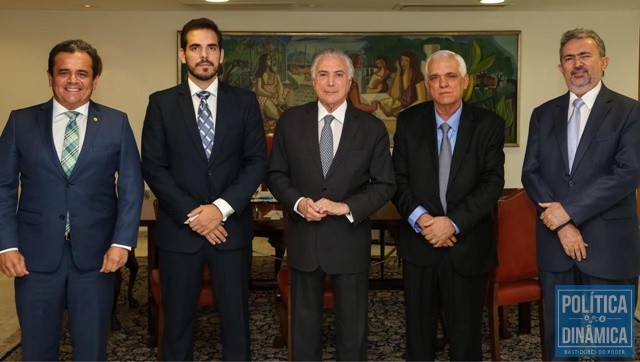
(444, 164)
(205, 123)
(326, 144)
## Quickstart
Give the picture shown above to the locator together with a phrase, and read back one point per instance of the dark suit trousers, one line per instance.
(41, 299)
(462, 298)
(181, 279)
(351, 293)
(573, 276)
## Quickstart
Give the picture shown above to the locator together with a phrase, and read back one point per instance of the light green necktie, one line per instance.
(70, 151)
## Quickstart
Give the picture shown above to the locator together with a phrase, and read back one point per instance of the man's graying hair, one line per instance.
(334, 53)
(582, 33)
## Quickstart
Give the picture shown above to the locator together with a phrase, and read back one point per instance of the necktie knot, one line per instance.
(328, 119)
(577, 103)
(72, 115)
(445, 128)
(204, 95)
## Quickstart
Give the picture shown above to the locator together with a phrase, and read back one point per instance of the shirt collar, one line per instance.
(59, 109)
(212, 88)
(589, 98)
(453, 121)
(339, 113)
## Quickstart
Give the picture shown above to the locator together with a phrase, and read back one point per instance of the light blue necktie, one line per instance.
(70, 151)
(573, 131)
(444, 164)
(205, 123)
(326, 144)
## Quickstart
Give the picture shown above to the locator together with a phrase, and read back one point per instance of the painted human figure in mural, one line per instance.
(273, 96)
(407, 87)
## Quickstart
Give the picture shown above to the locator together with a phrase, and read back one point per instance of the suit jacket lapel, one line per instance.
(349, 131)
(310, 136)
(221, 120)
(185, 103)
(45, 122)
(429, 131)
(94, 119)
(560, 119)
(601, 107)
(463, 139)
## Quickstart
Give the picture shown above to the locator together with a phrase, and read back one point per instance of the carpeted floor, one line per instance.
(386, 328)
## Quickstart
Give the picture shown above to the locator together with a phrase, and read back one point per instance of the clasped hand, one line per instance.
(554, 215)
(206, 220)
(437, 231)
(317, 210)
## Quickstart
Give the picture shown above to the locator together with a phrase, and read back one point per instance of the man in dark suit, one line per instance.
(584, 184)
(449, 167)
(76, 168)
(330, 168)
(204, 155)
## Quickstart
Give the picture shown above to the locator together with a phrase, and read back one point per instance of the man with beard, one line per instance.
(583, 179)
(203, 155)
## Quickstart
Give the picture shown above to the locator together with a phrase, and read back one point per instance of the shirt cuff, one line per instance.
(414, 216)
(122, 246)
(349, 216)
(455, 227)
(295, 207)
(224, 208)
(9, 249)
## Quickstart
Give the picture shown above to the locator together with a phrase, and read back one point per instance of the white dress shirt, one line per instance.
(212, 102)
(336, 128)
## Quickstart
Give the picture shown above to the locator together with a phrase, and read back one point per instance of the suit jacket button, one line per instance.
(61, 217)
(570, 183)
(324, 189)
(209, 173)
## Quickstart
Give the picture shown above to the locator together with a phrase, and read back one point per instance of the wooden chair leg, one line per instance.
(159, 354)
(133, 266)
(504, 322)
(542, 327)
(281, 310)
(289, 343)
(524, 318)
(494, 334)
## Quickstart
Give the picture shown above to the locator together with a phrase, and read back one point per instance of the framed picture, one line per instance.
(388, 74)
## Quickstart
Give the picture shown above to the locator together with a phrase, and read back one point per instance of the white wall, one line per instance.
(139, 50)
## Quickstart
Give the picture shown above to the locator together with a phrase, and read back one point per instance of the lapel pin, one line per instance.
(95, 119)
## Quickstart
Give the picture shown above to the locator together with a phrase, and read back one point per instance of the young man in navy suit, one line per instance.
(204, 155)
(76, 168)
(587, 233)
